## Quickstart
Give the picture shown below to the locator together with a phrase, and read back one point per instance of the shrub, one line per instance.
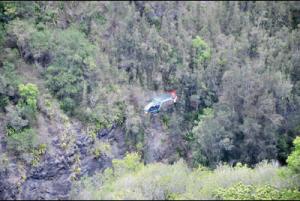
(103, 115)
(130, 163)
(9, 79)
(15, 120)
(166, 120)
(74, 58)
(29, 94)
(3, 101)
(40, 41)
(294, 158)
(2, 34)
(68, 105)
(241, 191)
(21, 29)
(37, 153)
(102, 148)
(22, 141)
(4, 161)
(27, 104)
(203, 52)
(130, 179)
(15, 9)
(10, 10)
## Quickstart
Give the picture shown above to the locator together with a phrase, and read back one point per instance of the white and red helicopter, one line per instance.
(161, 101)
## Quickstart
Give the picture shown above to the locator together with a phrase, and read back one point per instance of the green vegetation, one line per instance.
(74, 78)
(203, 52)
(101, 148)
(28, 101)
(294, 159)
(240, 191)
(37, 154)
(9, 82)
(19, 136)
(74, 58)
(22, 141)
(130, 179)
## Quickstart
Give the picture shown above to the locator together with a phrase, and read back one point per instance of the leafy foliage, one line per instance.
(37, 153)
(22, 141)
(130, 179)
(102, 148)
(9, 81)
(240, 191)
(130, 163)
(15, 119)
(294, 158)
(203, 52)
(235, 68)
(20, 137)
(74, 59)
(29, 94)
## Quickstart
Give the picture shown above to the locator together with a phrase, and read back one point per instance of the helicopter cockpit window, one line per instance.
(154, 108)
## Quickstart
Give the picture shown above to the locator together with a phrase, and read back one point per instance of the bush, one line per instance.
(27, 104)
(102, 148)
(29, 94)
(74, 58)
(2, 34)
(11, 10)
(40, 41)
(22, 141)
(103, 115)
(241, 191)
(37, 154)
(68, 105)
(4, 161)
(294, 158)
(20, 138)
(21, 29)
(3, 101)
(130, 163)
(130, 179)
(203, 52)
(8, 81)
(15, 120)
(8, 77)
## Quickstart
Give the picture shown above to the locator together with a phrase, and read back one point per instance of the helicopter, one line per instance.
(161, 101)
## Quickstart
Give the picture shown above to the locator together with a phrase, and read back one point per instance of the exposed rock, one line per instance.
(156, 138)
(51, 167)
(11, 42)
(44, 58)
(47, 189)
(90, 165)
(8, 191)
(26, 53)
(9, 182)
(52, 178)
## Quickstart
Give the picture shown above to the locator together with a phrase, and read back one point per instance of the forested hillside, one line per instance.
(75, 77)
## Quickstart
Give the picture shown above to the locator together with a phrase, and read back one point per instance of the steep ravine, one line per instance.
(52, 177)
(69, 153)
